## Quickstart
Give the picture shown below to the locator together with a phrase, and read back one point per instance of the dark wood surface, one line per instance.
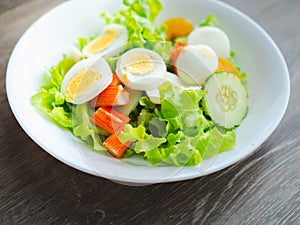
(36, 188)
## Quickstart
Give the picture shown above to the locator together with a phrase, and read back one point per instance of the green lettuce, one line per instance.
(214, 142)
(145, 8)
(181, 108)
(211, 20)
(84, 129)
(138, 17)
(176, 133)
(50, 100)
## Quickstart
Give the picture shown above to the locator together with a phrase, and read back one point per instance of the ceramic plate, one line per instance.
(43, 44)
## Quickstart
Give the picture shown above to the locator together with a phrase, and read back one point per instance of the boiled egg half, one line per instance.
(85, 80)
(214, 37)
(141, 69)
(195, 63)
(109, 43)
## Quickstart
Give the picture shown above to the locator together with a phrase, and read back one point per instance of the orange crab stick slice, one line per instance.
(175, 52)
(115, 147)
(109, 119)
(115, 81)
(112, 96)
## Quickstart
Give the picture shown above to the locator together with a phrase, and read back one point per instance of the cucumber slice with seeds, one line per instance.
(226, 101)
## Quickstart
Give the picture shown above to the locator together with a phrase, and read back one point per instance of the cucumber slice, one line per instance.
(226, 101)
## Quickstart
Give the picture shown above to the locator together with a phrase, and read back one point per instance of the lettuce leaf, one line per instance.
(184, 153)
(211, 20)
(50, 100)
(58, 72)
(145, 8)
(176, 133)
(180, 151)
(138, 17)
(87, 131)
(143, 141)
(214, 142)
(181, 108)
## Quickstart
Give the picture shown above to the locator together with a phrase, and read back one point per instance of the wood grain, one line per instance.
(262, 189)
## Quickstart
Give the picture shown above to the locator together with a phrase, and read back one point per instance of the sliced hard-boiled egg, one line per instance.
(195, 63)
(109, 43)
(169, 77)
(214, 37)
(85, 80)
(141, 69)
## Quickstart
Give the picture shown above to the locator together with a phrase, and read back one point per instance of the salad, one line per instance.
(170, 93)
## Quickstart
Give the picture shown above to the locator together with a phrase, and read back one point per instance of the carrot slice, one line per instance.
(177, 27)
(175, 52)
(113, 95)
(109, 119)
(115, 147)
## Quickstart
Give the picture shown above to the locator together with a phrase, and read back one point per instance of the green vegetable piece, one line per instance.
(50, 100)
(210, 21)
(214, 142)
(226, 101)
(138, 17)
(83, 128)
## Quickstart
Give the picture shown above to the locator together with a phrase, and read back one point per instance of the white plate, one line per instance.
(50, 36)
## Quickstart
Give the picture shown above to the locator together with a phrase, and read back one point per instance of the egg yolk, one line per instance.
(141, 64)
(81, 82)
(102, 42)
(177, 27)
(207, 53)
(227, 66)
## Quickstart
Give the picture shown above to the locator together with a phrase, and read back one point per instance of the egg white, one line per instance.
(214, 37)
(97, 86)
(74, 53)
(195, 63)
(144, 78)
(116, 45)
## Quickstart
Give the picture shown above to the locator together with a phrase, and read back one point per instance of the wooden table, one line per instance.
(36, 188)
